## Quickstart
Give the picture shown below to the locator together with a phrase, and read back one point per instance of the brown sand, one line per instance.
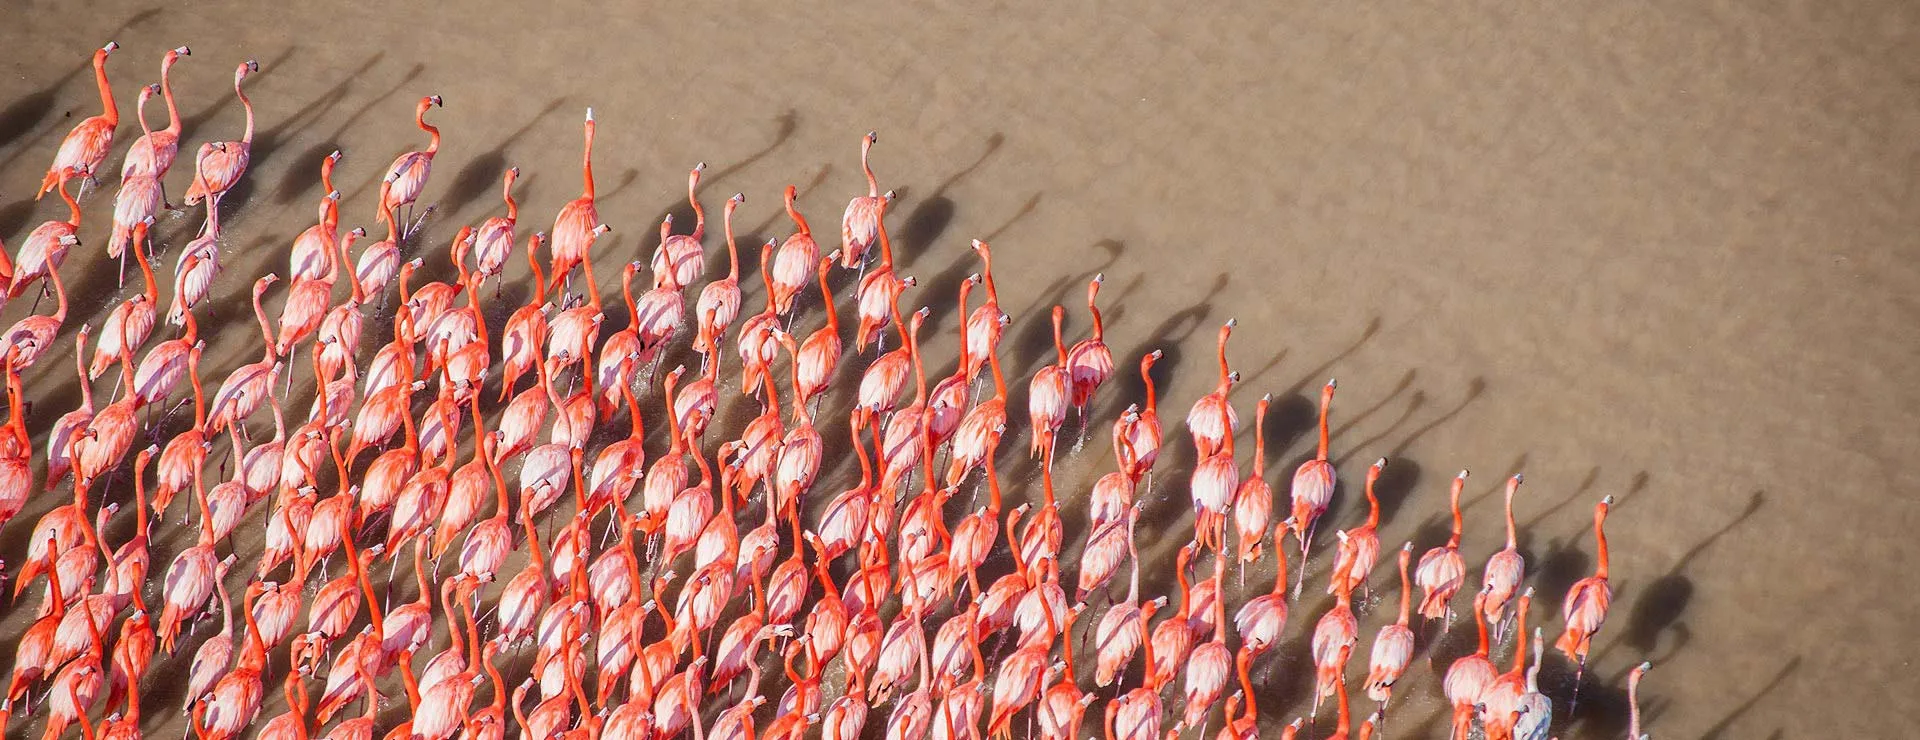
(1662, 252)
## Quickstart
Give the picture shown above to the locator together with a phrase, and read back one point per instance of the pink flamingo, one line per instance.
(152, 154)
(1587, 602)
(1360, 546)
(575, 228)
(29, 337)
(493, 243)
(312, 249)
(138, 200)
(1212, 419)
(1393, 646)
(876, 294)
(1312, 489)
(719, 302)
(1090, 362)
(86, 146)
(1442, 572)
(132, 321)
(1469, 675)
(820, 354)
(1210, 666)
(794, 263)
(679, 257)
(1505, 568)
(860, 227)
(1262, 619)
(407, 176)
(1333, 640)
(1047, 396)
(46, 246)
(1253, 500)
(218, 165)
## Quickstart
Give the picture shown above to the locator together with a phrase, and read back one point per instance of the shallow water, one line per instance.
(1662, 252)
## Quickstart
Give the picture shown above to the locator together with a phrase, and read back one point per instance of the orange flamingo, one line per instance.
(86, 146)
(1312, 488)
(136, 202)
(1333, 639)
(1501, 702)
(46, 246)
(312, 249)
(132, 321)
(1212, 420)
(719, 301)
(219, 164)
(1633, 699)
(1210, 666)
(1587, 602)
(1047, 396)
(878, 290)
(1253, 500)
(1442, 571)
(152, 154)
(574, 229)
(860, 227)
(680, 257)
(1262, 619)
(1360, 546)
(794, 263)
(1090, 362)
(407, 176)
(1393, 645)
(70, 425)
(1506, 568)
(820, 354)
(1469, 675)
(493, 243)
(28, 338)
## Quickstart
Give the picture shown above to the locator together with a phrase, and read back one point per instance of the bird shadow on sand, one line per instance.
(1293, 415)
(946, 282)
(714, 200)
(931, 216)
(296, 180)
(1666, 599)
(482, 173)
(28, 111)
(1719, 729)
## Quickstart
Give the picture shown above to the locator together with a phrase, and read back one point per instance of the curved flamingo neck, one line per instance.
(799, 222)
(60, 292)
(1480, 622)
(109, 111)
(699, 214)
(1260, 438)
(1373, 501)
(733, 251)
(1146, 378)
(260, 314)
(506, 194)
(826, 293)
(433, 132)
(73, 206)
(1406, 587)
(1059, 348)
(1099, 322)
(166, 91)
(873, 186)
(1280, 575)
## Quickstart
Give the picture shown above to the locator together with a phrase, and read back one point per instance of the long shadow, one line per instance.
(380, 160)
(28, 111)
(482, 173)
(296, 180)
(1667, 598)
(714, 200)
(1719, 729)
(1295, 416)
(931, 217)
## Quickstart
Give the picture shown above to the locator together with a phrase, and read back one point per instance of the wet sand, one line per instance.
(1663, 252)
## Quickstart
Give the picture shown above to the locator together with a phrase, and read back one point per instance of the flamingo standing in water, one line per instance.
(46, 246)
(132, 321)
(679, 257)
(794, 262)
(1587, 602)
(407, 176)
(1090, 362)
(1505, 568)
(719, 302)
(219, 164)
(1442, 572)
(493, 243)
(1047, 397)
(1360, 546)
(1212, 420)
(152, 154)
(86, 146)
(860, 227)
(1312, 488)
(1393, 646)
(574, 229)
(1253, 501)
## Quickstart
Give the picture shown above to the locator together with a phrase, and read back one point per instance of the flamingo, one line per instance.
(679, 257)
(219, 164)
(526, 331)
(1214, 482)
(493, 243)
(820, 354)
(1469, 675)
(70, 425)
(86, 146)
(1505, 568)
(137, 202)
(1587, 602)
(1090, 362)
(860, 227)
(719, 302)
(1633, 699)
(1500, 703)
(46, 246)
(152, 154)
(794, 264)
(1253, 500)
(29, 337)
(576, 227)
(1210, 666)
(1393, 646)
(1047, 396)
(877, 291)
(1333, 640)
(1360, 546)
(249, 385)
(1442, 571)
(312, 252)
(193, 274)
(132, 321)
(1262, 619)
(1312, 488)
(407, 176)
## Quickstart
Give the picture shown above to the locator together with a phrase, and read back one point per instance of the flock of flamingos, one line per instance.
(653, 618)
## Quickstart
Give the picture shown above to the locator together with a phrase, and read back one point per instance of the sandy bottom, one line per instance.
(1658, 252)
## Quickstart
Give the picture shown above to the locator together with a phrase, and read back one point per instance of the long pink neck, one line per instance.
(166, 91)
(109, 110)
